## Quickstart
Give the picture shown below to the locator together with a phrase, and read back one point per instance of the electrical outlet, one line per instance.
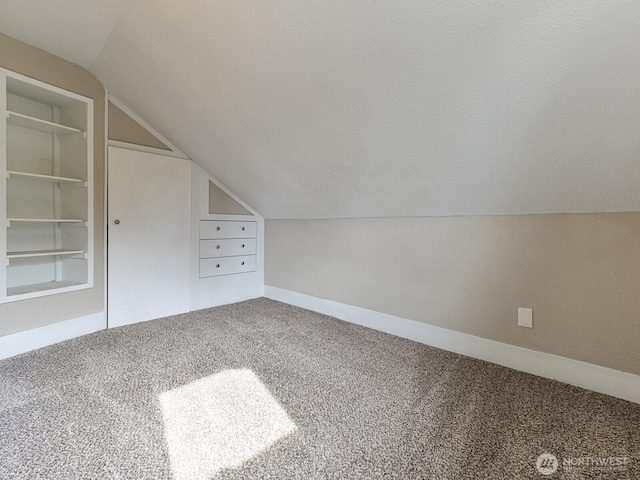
(525, 317)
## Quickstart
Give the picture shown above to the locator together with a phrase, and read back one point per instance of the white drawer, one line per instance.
(226, 229)
(211, 267)
(227, 247)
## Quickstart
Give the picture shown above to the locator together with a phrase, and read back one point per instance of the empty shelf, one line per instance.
(34, 123)
(39, 287)
(46, 178)
(45, 220)
(43, 253)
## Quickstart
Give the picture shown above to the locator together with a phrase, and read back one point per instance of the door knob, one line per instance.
(117, 222)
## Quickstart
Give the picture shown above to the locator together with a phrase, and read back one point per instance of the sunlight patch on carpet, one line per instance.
(220, 422)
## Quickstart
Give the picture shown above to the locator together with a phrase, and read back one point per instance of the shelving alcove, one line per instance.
(46, 189)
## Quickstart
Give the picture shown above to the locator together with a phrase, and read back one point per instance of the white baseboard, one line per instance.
(21, 342)
(581, 374)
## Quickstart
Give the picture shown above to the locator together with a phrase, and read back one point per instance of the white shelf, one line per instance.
(34, 123)
(46, 178)
(45, 220)
(39, 287)
(43, 253)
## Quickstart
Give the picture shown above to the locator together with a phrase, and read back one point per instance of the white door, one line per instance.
(149, 216)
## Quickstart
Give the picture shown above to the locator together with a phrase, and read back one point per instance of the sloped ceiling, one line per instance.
(333, 108)
(72, 29)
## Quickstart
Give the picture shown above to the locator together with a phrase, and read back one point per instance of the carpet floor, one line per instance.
(264, 390)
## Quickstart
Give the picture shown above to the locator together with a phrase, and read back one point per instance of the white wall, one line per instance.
(213, 291)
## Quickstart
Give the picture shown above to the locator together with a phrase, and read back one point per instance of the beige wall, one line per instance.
(220, 202)
(35, 63)
(579, 272)
(125, 129)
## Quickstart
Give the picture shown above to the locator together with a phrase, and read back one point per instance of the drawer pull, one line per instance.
(242, 228)
(217, 265)
(242, 246)
(217, 246)
(242, 263)
(217, 228)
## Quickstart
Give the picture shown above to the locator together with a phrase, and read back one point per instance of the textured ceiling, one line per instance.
(327, 108)
(72, 29)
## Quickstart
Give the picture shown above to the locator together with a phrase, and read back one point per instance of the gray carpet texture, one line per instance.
(264, 390)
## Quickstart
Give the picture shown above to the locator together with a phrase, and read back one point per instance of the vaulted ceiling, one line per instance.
(333, 108)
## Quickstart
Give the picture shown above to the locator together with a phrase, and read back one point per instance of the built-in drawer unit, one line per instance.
(210, 267)
(227, 247)
(214, 229)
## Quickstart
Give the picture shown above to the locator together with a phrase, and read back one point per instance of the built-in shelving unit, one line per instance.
(46, 182)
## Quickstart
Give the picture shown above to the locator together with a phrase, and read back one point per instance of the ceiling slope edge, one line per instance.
(171, 150)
